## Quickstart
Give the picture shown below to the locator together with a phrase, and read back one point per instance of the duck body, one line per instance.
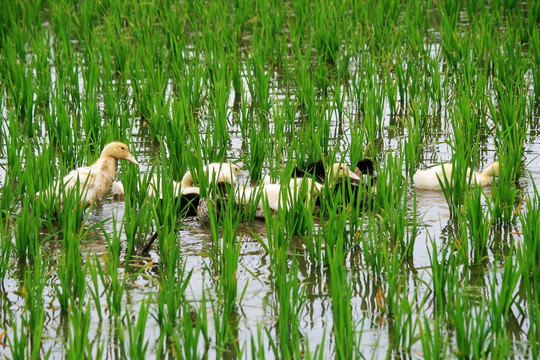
(186, 197)
(429, 179)
(365, 190)
(222, 173)
(315, 169)
(318, 172)
(339, 179)
(278, 196)
(92, 182)
(221, 180)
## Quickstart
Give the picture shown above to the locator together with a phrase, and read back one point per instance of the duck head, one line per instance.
(364, 167)
(118, 151)
(341, 171)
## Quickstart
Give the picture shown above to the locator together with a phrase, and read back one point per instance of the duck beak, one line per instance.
(131, 159)
(353, 176)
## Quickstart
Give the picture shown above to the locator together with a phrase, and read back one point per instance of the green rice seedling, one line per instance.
(58, 123)
(534, 53)
(391, 87)
(327, 30)
(472, 330)
(290, 296)
(45, 208)
(403, 326)
(298, 218)
(321, 75)
(5, 249)
(19, 85)
(94, 286)
(225, 329)
(373, 105)
(167, 215)
(258, 81)
(173, 18)
(87, 15)
(91, 119)
(40, 64)
(176, 139)
(375, 243)
(320, 133)
(512, 128)
(444, 276)
(503, 296)
(466, 126)
(527, 257)
(137, 345)
(32, 319)
(257, 345)
(532, 290)
(217, 134)
(14, 145)
(71, 272)
(18, 342)
(214, 248)
(243, 115)
(304, 83)
(452, 46)
(339, 97)
(434, 344)
(393, 264)
(229, 259)
(435, 88)
(138, 214)
(412, 148)
(110, 277)
(315, 244)
(78, 344)
(113, 90)
(26, 235)
(189, 82)
(476, 225)
(145, 15)
(339, 288)
(150, 96)
(393, 205)
(381, 17)
(194, 325)
(174, 282)
(224, 252)
(258, 135)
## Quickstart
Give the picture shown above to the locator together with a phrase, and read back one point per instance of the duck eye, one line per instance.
(123, 148)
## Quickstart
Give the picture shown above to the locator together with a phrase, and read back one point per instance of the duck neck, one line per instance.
(106, 165)
(187, 180)
(488, 171)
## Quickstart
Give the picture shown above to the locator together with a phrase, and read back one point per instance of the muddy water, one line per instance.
(257, 307)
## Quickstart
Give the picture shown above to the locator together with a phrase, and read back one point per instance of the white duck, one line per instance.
(95, 180)
(278, 196)
(429, 179)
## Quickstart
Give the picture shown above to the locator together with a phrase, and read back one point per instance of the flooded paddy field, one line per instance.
(270, 86)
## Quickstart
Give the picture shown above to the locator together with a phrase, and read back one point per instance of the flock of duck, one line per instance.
(92, 182)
